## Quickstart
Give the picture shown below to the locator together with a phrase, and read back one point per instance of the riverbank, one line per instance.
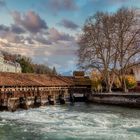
(122, 99)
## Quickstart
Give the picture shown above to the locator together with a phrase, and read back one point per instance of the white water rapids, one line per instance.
(78, 122)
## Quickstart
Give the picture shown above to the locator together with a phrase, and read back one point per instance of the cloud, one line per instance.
(16, 34)
(28, 40)
(4, 28)
(30, 21)
(17, 29)
(55, 35)
(43, 39)
(29, 34)
(11, 37)
(68, 24)
(12, 33)
(58, 52)
(13, 28)
(62, 5)
(7, 32)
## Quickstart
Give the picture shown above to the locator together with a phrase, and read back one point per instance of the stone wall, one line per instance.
(130, 100)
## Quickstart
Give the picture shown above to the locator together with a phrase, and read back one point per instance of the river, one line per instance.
(71, 122)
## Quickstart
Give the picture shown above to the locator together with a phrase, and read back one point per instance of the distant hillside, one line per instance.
(27, 65)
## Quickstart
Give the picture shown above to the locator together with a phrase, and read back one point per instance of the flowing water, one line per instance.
(77, 122)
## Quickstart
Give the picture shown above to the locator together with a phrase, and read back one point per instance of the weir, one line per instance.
(26, 97)
(33, 90)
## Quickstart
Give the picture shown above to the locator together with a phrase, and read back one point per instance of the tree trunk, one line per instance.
(125, 90)
(108, 86)
(110, 89)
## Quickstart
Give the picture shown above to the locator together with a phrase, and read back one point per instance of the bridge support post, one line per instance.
(51, 98)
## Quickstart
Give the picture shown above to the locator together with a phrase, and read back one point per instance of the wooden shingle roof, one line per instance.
(20, 79)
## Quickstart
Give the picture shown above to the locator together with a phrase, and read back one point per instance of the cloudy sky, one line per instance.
(47, 30)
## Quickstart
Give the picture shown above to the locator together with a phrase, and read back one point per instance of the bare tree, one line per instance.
(109, 43)
(97, 46)
(128, 38)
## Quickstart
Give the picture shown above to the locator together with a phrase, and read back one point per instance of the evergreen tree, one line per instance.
(54, 71)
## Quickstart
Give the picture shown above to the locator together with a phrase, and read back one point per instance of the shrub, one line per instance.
(130, 81)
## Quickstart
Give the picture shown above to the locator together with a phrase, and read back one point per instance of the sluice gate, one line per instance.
(32, 97)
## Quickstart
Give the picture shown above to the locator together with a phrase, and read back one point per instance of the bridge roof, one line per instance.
(20, 79)
(81, 81)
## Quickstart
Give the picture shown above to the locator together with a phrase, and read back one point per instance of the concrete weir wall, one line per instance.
(123, 99)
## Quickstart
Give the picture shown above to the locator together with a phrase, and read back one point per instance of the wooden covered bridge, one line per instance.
(18, 90)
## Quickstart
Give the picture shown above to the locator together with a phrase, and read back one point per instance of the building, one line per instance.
(8, 66)
(136, 73)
